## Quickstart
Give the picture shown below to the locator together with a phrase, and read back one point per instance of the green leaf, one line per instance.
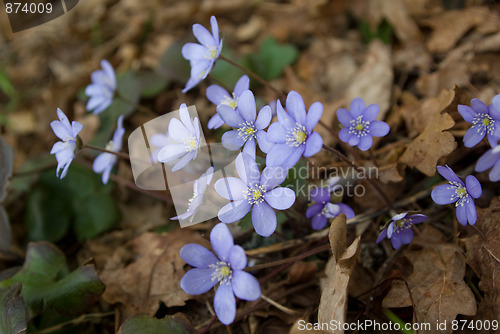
(143, 324)
(272, 58)
(297, 179)
(225, 72)
(45, 282)
(152, 84)
(79, 200)
(12, 310)
(95, 215)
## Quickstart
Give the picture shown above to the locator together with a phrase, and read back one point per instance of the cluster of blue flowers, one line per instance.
(283, 143)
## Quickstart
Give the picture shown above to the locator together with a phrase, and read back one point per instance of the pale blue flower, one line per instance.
(199, 187)
(64, 150)
(105, 161)
(202, 56)
(102, 89)
(226, 268)
(484, 119)
(218, 95)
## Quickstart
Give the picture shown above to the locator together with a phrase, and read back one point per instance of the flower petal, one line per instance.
(217, 94)
(263, 219)
(314, 210)
(264, 118)
(237, 258)
(313, 116)
(280, 198)
(184, 161)
(276, 133)
(314, 144)
(198, 281)
(449, 174)
(357, 107)
(232, 140)
(443, 194)
(191, 51)
(225, 304)
(245, 286)
(417, 219)
(215, 28)
(479, 106)
(467, 113)
(215, 122)
(365, 143)
(346, 210)
(197, 256)
(382, 235)
(250, 147)
(222, 241)
(473, 186)
(473, 136)
(462, 215)
(407, 235)
(229, 116)
(242, 85)
(495, 173)
(379, 128)
(295, 107)
(234, 211)
(284, 118)
(203, 35)
(264, 144)
(371, 112)
(246, 106)
(294, 157)
(396, 240)
(272, 177)
(318, 222)
(470, 209)
(177, 130)
(171, 152)
(344, 117)
(278, 154)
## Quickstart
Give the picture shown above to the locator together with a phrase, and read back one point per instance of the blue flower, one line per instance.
(292, 136)
(324, 209)
(64, 150)
(459, 192)
(202, 56)
(218, 95)
(249, 126)
(484, 121)
(102, 89)
(186, 140)
(256, 192)
(226, 268)
(199, 187)
(105, 161)
(490, 159)
(400, 229)
(360, 124)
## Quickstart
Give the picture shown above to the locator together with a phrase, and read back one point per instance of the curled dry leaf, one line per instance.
(438, 290)
(433, 142)
(483, 255)
(333, 303)
(147, 271)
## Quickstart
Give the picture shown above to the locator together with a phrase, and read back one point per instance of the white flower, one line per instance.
(64, 150)
(105, 161)
(199, 187)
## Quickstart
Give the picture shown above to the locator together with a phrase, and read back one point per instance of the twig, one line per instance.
(81, 319)
(118, 154)
(279, 306)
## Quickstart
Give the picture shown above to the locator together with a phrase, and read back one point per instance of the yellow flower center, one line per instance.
(254, 194)
(486, 121)
(191, 144)
(224, 271)
(297, 136)
(359, 127)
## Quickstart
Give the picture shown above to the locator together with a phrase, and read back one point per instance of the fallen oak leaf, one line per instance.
(333, 302)
(438, 290)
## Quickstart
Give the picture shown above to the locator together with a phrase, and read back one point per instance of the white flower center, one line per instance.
(254, 194)
(359, 127)
(297, 136)
(222, 273)
(484, 123)
(247, 130)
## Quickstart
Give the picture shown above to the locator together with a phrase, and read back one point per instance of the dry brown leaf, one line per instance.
(483, 255)
(437, 285)
(433, 142)
(333, 303)
(373, 81)
(147, 271)
(450, 26)
(301, 272)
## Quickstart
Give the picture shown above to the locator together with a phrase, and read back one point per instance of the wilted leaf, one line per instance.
(437, 285)
(45, 282)
(148, 270)
(483, 255)
(433, 142)
(333, 303)
(143, 324)
(12, 311)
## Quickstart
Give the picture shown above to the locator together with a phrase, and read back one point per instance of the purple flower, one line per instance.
(186, 140)
(105, 161)
(199, 187)
(202, 56)
(400, 230)
(459, 192)
(256, 192)
(489, 159)
(292, 136)
(323, 209)
(64, 150)
(218, 95)
(360, 124)
(102, 89)
(483, 119)
(226, 268)
(249, 127)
